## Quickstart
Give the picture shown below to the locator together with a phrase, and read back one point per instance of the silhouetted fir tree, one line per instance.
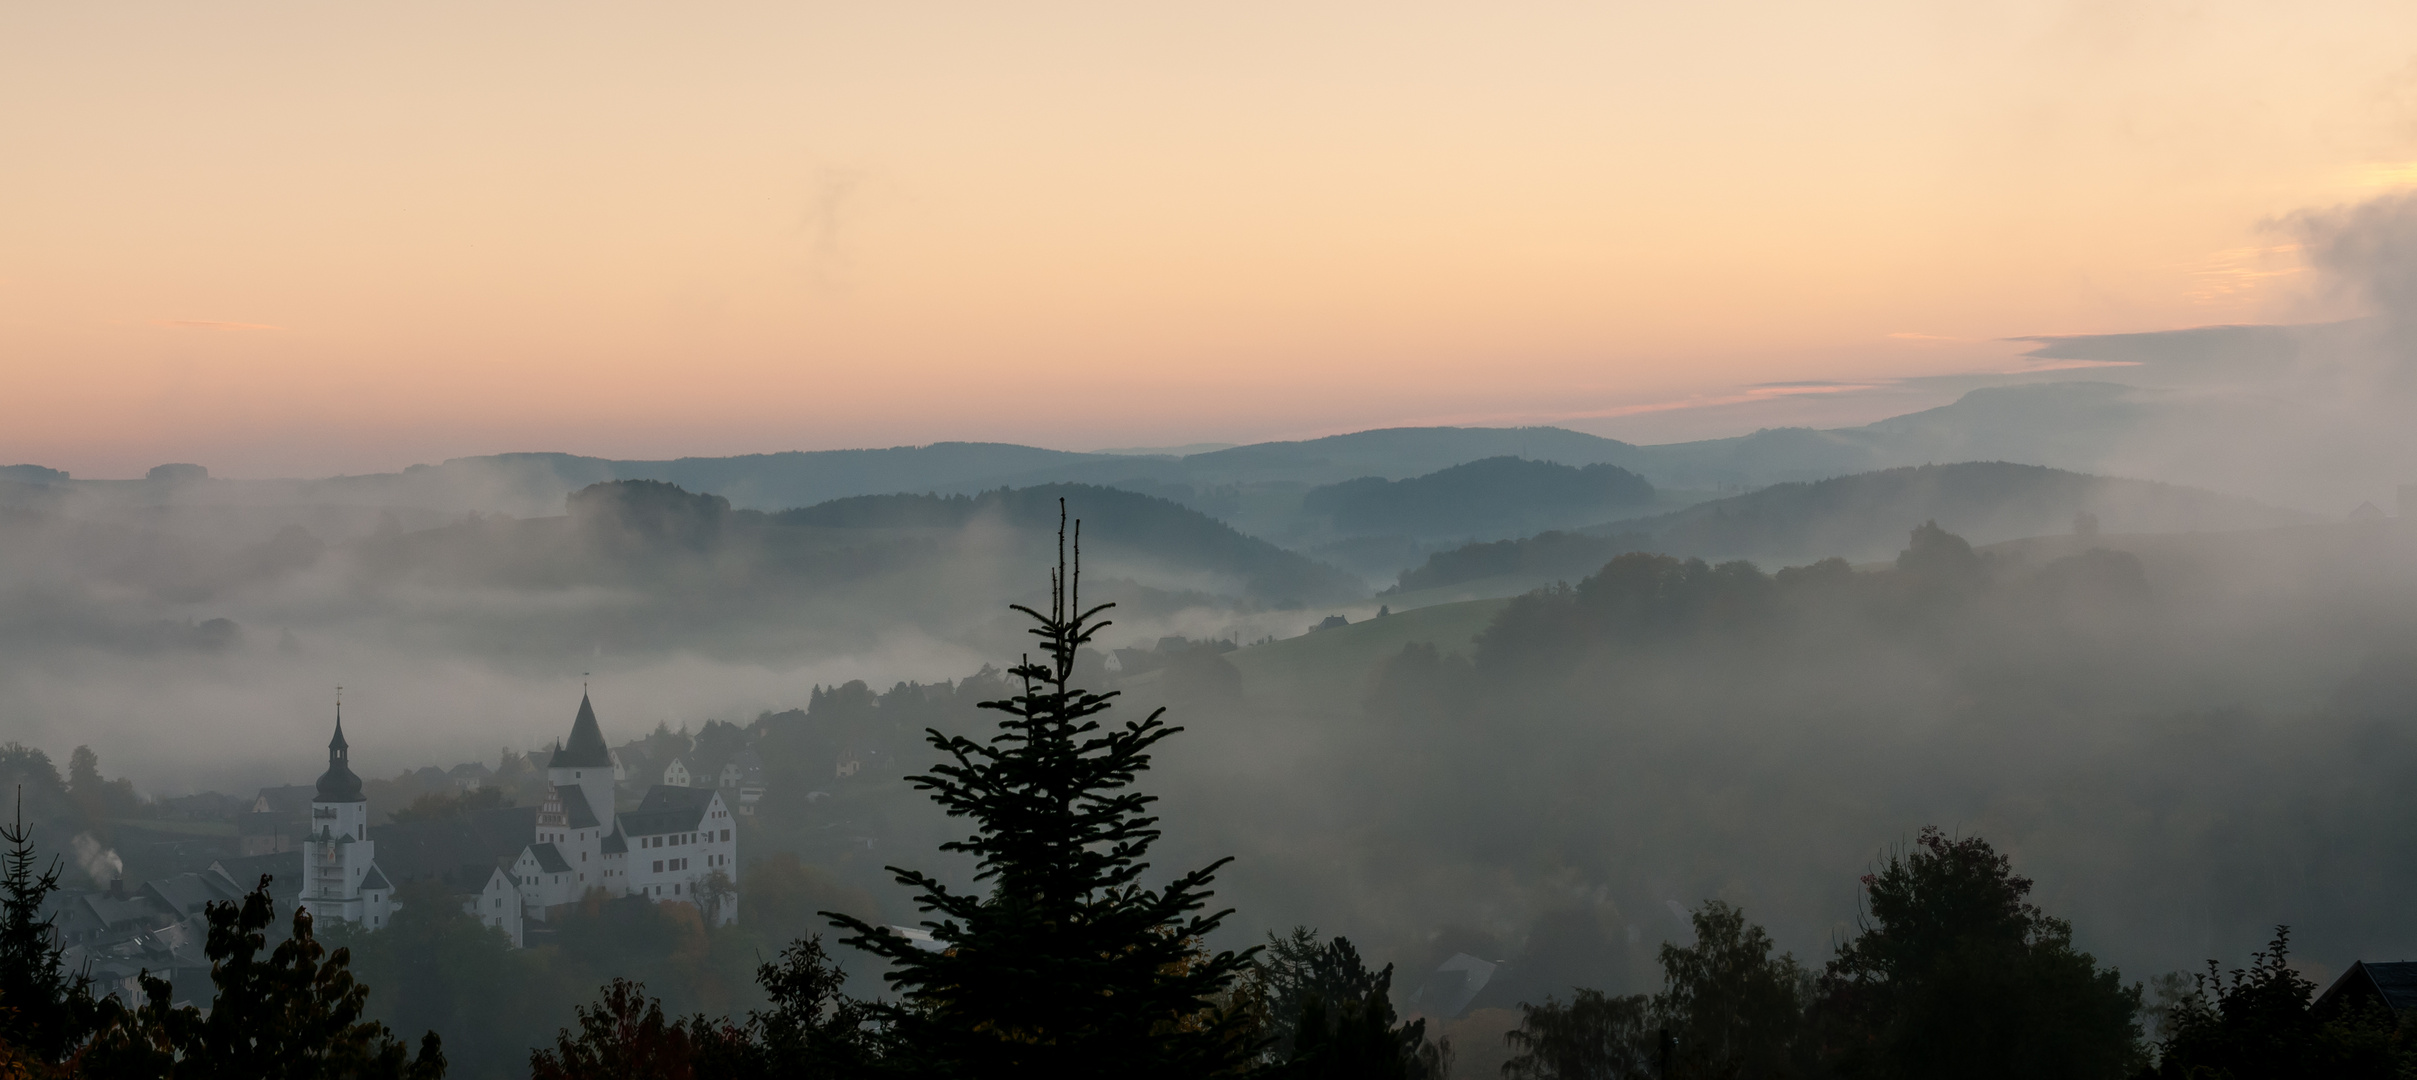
(293, 1016)
(1067, 966)
(45, 1013)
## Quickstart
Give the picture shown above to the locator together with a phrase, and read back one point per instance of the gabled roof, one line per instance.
(615, 843)
(288, 798)
(586, 749)
(375, 880)
(2393, 981)
(186, 894)
(578, 813)
(549, 859)
(668, 809)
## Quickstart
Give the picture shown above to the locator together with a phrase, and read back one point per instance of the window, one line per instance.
(725, 836)
(675, 888)
(658, 866)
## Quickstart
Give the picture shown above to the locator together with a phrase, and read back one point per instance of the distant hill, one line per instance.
(1493, 495)
(2060, 424)
(1865, 517)
(1137, 526)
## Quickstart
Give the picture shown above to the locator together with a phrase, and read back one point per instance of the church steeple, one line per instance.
(338, 784)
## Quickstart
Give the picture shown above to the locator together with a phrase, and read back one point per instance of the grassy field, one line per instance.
(1330, 668)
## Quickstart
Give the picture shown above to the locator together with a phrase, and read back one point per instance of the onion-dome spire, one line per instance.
(338, 784)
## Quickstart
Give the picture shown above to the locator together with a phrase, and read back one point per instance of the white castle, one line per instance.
(516, 865)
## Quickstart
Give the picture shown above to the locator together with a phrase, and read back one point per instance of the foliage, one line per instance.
(2260, 1025)
(94, 795)
(445, 805)
(1545, 555)
(437, 967)
(1491, 493)
(45, 1013)
(811, 1032)
(1068, 966)
(625, 1037)
(295, 1016)
(1593, 1037)
(1730, 1007)
(1326, 1014)
(1956, 974)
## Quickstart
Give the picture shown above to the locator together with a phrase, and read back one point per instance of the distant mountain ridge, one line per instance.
(1866, 517)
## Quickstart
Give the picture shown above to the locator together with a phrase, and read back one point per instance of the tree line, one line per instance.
(1064, 960)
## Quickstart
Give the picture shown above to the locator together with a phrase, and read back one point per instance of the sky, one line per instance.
(302, 239)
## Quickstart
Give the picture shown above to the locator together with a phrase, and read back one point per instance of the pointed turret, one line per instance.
(586, 749)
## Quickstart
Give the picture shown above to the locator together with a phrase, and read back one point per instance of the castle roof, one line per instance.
(375, 880)
(614, 844)
(586, 749)
(668, 809)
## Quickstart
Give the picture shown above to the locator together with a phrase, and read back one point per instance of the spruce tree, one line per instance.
(45, 1013)
(1066, 966)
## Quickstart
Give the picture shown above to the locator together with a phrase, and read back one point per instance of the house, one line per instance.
(469, 776)
(743, 780)
(2392, 985)
(675, 774)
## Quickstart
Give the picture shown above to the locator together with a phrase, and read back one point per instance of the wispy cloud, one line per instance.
(1908, 335)
(2234, 273)
(211, 325)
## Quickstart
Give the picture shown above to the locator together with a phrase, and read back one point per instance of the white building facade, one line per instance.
(669, 849)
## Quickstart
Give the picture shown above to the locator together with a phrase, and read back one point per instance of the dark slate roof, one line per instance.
(586, 750)
(284, 868)
(668, 809)
(375, 880)
(614, 844)
(549, 859)
(460, 851)
(577, 812)
(188, 893)
(2394, 981)
(338, 784)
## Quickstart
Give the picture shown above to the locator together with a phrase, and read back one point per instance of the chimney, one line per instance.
(117, 888)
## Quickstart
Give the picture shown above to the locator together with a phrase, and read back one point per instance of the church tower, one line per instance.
(584, 764)
(340, 878)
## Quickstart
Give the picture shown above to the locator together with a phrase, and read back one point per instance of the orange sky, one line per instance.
(307, 238)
